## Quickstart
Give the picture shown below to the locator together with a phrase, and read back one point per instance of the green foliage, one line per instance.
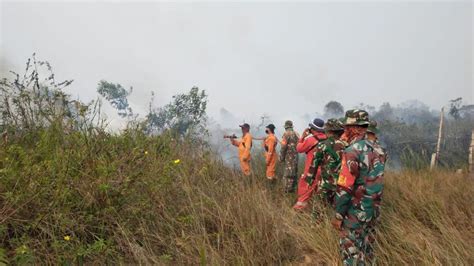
(166, 258)
(30, 102)
(186, 114)
(457, 110)
(412, 160)
(3, 257)
(410, 133)
(23, 256)
(99, 186)
(454, 108)
(117, 97)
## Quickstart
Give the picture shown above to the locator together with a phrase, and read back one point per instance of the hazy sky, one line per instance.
(284, 59)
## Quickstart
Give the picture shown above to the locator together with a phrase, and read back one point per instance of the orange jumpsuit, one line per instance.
(244, 145)
(271, 156)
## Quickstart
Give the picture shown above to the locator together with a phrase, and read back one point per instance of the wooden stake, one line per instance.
(434, 162)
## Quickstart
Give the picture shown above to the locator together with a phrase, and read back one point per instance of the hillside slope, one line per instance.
(155, 200)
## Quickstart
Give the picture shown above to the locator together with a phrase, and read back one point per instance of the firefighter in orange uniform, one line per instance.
(244, 145)
(271, 156)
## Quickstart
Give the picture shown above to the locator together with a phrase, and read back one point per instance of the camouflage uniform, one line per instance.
(327, 155)
(375, 131)
(372, 128)
(289, 156)
(359, 193)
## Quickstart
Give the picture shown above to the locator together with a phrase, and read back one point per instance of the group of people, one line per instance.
(344, 168)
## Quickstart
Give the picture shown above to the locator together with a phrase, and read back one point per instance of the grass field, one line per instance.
(72, 198)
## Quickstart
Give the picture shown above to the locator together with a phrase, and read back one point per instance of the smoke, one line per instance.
(5, 67)
(283, 59)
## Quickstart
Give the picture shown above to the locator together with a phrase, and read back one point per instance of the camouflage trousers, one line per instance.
(356, 244)
(327, 196)
(290, 184)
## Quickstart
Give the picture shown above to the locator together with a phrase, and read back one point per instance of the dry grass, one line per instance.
(122, 199)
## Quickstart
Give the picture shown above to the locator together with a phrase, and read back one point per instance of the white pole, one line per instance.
(435, 160)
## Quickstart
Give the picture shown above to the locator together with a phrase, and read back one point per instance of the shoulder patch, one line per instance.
(346, 178)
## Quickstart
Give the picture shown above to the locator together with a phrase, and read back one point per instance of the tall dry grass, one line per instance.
(126, 199)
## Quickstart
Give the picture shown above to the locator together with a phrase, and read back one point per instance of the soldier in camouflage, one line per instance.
(359, 191)
(289, 156)
(371, 135)
(327, 156)
(372, 131)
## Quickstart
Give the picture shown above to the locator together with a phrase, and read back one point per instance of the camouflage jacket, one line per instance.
(288, 153)
(382, 151)
(360, 183)
(328, 156)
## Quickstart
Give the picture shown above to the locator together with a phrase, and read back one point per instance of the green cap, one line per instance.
(288, 124)
(373, 127)
(356, 117)
(333, 124)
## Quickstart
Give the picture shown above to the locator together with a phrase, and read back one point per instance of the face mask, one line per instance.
(267, 131)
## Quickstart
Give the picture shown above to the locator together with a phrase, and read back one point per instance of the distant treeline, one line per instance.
(409, 131)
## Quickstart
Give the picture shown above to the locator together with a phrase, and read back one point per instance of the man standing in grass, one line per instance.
(307, 144)
(289, 156)
(244, 145)
(359, 191)
(372, 132)
(271, 156)
(327, 157)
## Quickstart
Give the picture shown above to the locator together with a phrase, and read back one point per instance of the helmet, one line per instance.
(317, 124)
(288, 124)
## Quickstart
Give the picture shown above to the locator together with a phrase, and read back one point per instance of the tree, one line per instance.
(185, 114)
(333, 109)
(385, 113)
(457, 110)
(117, 97)
(454, 108)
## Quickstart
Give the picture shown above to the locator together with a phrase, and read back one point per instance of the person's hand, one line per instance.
(305, 132)
(336, 223)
